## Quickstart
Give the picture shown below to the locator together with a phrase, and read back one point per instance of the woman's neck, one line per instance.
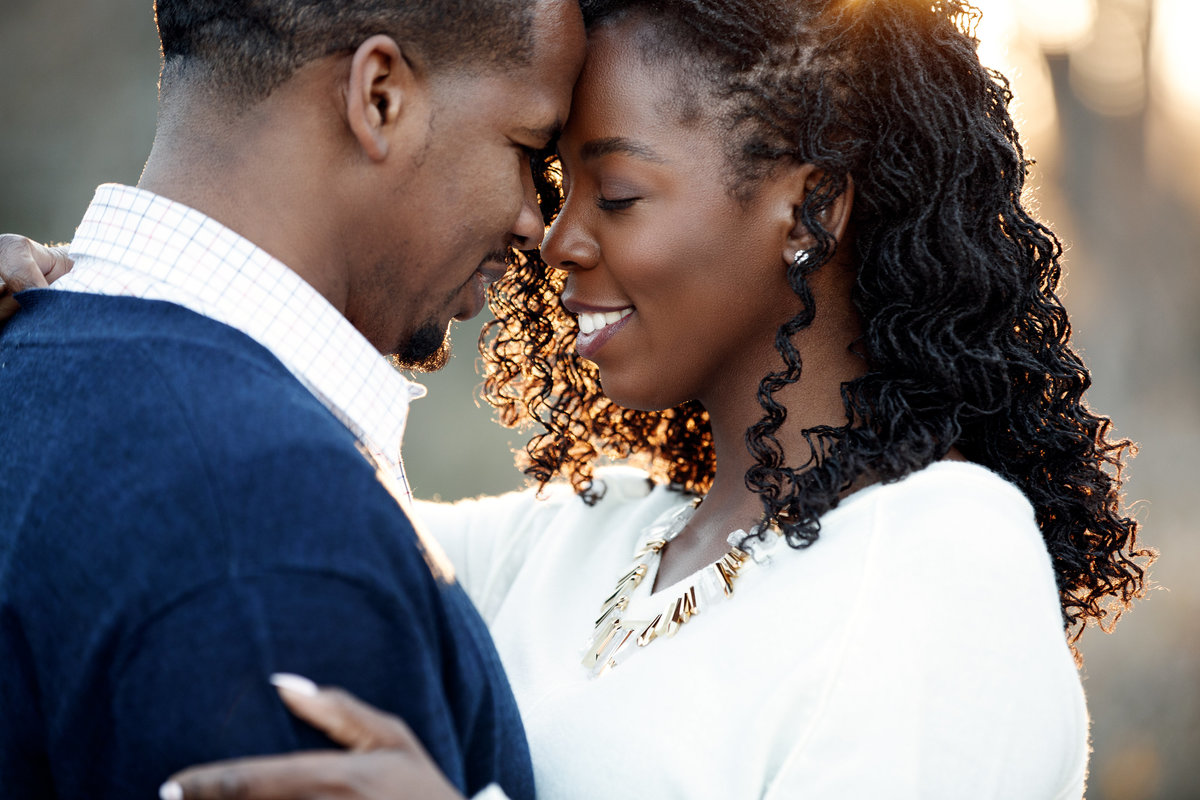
(815, 400)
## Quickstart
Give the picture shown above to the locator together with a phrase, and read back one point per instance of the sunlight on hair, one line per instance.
(1003, 46)
(997, 31)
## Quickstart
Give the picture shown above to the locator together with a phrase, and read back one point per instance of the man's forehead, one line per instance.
(561, 18)
(559, 39)
(534, 98)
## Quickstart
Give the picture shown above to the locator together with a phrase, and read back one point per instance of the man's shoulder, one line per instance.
(125, 329)
(130, 362)
(178, 452)
(119, 400)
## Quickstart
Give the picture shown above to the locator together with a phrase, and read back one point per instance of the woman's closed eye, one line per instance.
(616, 195)
(615, 203)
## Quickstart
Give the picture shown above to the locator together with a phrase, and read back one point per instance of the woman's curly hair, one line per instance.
(965, 339)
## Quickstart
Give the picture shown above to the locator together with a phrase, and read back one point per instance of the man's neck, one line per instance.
(254, 177)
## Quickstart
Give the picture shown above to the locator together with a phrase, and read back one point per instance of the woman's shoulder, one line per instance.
(964, 478)
(944, 498)
(951, 518)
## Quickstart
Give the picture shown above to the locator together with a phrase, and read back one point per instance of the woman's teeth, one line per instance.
(592, 322)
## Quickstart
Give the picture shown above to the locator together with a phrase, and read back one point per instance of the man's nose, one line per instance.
(530, 228)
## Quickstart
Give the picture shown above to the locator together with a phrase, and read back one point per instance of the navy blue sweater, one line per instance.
(179, 518)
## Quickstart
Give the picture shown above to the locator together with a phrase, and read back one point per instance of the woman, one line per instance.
(793, 251)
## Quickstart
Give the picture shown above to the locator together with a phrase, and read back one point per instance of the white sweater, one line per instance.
(916, 651)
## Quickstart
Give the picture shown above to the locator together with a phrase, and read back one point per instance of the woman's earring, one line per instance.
(801, 258)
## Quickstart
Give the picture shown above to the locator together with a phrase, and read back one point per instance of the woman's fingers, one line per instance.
(8, 304)
(25, 264)
(258, 778)
(320, 776)
(344, 718)
(379, 775)
(60, 261)
(388, 763)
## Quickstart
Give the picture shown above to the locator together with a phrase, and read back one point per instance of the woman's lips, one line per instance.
(597, 327)
(593, 321)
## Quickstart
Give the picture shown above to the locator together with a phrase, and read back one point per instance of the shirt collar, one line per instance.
(165, 250)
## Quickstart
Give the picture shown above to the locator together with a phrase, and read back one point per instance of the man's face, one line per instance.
(466, 197)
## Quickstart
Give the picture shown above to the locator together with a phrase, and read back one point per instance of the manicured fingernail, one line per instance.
(170, 791)
(294, 683)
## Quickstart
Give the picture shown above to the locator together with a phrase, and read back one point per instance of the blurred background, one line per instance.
(1108, 99)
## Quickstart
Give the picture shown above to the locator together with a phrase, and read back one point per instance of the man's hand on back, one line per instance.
(25, 264)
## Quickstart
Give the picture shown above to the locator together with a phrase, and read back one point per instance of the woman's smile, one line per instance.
(595, 329)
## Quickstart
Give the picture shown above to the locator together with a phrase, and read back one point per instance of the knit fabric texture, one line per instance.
(179, 519)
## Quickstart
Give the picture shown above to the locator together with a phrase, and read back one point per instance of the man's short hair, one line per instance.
(243, 49)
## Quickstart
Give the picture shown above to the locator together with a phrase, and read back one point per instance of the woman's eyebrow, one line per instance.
(595, 148)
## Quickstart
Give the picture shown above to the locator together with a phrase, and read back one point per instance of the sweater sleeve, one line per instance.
(332, 584)
(194, 685)
(956, 679)
(191, 520)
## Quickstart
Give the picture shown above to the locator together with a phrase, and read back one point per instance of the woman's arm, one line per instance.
(487, 539)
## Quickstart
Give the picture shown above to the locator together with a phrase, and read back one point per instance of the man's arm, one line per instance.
(290, 576)
(196, 685)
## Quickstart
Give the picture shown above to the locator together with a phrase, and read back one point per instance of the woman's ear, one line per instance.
(834, 218)
(380, 91)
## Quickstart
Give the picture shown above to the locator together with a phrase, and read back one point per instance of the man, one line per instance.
(206, 486)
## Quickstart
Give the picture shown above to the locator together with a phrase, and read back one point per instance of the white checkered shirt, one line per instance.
(137, 244)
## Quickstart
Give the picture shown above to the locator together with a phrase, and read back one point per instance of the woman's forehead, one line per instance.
(621, 86)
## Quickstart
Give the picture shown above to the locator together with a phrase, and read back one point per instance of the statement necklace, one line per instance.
(614, 637)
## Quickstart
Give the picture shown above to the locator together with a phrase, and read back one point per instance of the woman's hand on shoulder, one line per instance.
(25, 264)
(385, 760)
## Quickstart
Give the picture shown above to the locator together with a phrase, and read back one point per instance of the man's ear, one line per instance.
(834, 218)
(382, 88)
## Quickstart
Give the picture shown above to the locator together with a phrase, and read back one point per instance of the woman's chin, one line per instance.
(637, 396)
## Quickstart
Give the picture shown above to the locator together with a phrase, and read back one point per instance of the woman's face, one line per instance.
(678, 286)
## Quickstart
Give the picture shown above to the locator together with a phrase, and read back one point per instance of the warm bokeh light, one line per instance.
(1057, 25)
(1108, 68)
(1124, 58)
(1175, 56)
(1173, 124)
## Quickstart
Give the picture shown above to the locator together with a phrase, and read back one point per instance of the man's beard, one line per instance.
(427, 350)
